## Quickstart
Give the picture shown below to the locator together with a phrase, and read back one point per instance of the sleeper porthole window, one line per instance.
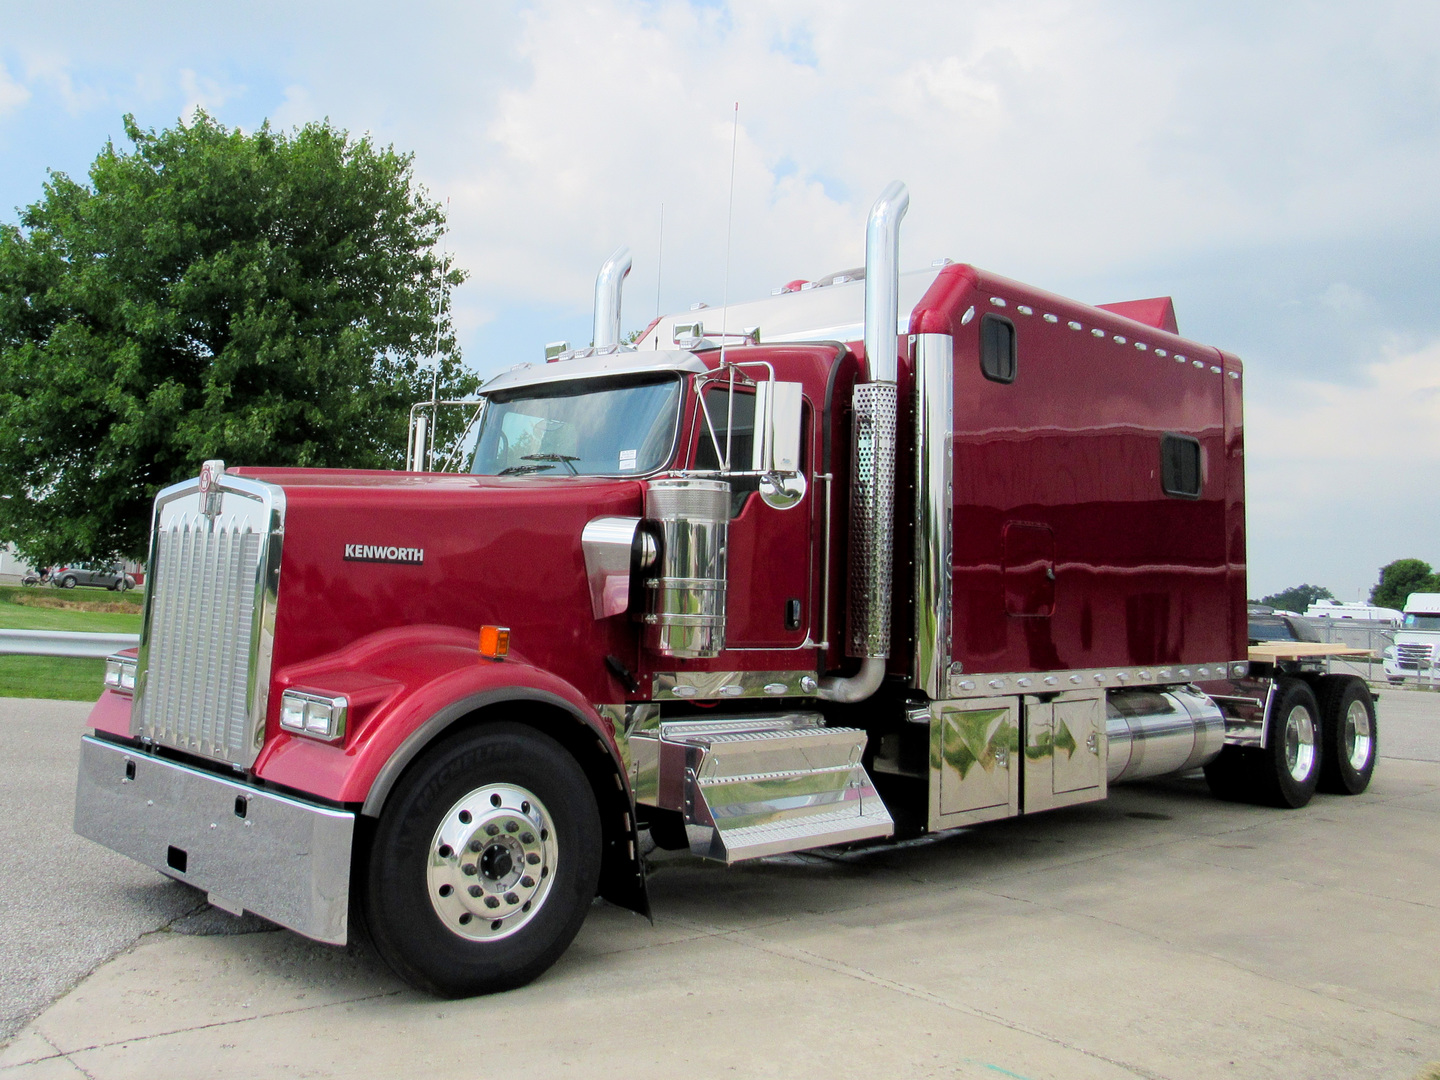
(1182, 473)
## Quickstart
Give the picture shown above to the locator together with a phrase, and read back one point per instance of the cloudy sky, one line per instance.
(1273, 167)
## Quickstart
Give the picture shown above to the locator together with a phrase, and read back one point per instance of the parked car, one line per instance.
(1267, 624)
(111, 576)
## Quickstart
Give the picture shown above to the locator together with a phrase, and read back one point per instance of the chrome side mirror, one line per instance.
(778, 410)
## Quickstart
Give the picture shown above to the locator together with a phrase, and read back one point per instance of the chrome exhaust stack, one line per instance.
(872, 496)
(608, 285)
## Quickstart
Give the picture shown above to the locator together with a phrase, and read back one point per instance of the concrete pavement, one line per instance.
(1158, 934)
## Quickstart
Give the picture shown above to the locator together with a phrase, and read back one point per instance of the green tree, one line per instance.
(268, 298)
(1399, 579)
(1297, 598)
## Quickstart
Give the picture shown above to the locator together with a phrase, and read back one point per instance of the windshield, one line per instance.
(1270, 628)
(1415, 620)
(590, 428)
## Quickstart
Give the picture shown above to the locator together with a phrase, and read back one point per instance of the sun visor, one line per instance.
(1158, 312)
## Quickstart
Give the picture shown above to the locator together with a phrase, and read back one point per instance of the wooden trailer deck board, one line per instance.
(1272, 651)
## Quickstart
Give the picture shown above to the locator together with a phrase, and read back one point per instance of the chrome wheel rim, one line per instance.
(1357, 735)
(1300, 743)
(492, 862)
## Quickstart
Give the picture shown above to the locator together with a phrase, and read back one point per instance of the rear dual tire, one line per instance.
(1286, 772)
(1321, 739)
(1350, 742)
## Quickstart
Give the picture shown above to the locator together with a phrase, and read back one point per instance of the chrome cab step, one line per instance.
(754, 786)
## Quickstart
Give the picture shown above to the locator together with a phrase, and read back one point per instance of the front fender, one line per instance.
(406, 686)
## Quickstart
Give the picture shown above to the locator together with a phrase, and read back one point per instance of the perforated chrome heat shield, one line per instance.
(872, 519)
(204, 669)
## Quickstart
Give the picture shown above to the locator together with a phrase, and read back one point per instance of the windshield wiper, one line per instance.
(566, 458)
(517, 470)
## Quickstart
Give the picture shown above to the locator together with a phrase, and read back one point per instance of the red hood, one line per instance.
(368, 551)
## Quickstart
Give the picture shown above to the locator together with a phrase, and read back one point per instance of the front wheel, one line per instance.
(484, 862)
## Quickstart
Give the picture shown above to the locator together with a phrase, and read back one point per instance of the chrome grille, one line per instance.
(1413, 657)
(204, 654)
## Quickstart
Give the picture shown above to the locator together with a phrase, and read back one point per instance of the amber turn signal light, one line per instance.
(494, 642)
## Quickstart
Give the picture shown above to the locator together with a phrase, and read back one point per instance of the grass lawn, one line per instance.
(61, 676)
(68, 677)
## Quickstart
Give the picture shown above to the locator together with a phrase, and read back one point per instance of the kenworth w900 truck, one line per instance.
(880, 554)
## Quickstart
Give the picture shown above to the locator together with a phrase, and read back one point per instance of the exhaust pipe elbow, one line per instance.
(608, 284)
(857, 687)
(882, 282)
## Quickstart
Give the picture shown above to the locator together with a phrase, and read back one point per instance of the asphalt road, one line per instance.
(1160, 933)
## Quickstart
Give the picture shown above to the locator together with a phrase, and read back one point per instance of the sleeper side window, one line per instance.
(1181, 471)
(997, 349)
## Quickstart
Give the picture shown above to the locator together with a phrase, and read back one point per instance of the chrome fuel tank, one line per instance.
(685, 600)
(1159, 732)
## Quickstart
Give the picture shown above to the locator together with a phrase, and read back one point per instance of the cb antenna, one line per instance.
(660, 261)
(429, 449)
(725, 292)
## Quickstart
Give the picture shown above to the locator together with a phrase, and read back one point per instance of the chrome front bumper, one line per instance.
(250, 850)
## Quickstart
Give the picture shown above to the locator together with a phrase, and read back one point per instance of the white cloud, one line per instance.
(12, 94)
(205, 93)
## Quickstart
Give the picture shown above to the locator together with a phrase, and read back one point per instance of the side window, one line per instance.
(741, 426)
(997, 349)
(1181, 474)
(742, 433)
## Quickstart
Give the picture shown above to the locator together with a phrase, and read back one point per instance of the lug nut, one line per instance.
(474, 845)
(527, 882)
(533, 859)
(492, 829)
(527, 838)
(474, 890)
(511, 898)
(468, 869)
(510, 826)
(491, 901)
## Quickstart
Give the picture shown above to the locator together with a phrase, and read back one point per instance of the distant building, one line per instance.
(1333, 609)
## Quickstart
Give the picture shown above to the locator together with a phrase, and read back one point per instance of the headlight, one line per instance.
(120, 674)
(314, 713)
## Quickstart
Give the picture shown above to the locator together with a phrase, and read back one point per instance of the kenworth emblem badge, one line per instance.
(210, 474)
(383, 553)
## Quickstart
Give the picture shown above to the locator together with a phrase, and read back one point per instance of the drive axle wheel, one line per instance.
(1289, 768)
(1285, 773)
(484, 862)
(1348, 744)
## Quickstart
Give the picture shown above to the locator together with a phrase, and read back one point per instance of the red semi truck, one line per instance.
(878, 555)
